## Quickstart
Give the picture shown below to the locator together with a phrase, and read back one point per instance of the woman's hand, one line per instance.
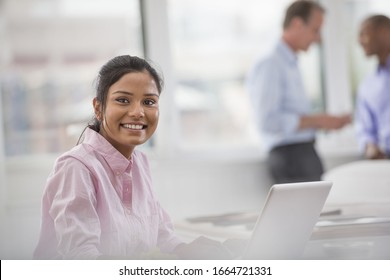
(203, 248)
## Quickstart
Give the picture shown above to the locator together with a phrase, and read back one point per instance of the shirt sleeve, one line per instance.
(266, 89)
(365, 123)
(71, 200)
(167, 239)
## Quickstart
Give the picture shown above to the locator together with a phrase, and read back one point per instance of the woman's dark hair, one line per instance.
(111, 72)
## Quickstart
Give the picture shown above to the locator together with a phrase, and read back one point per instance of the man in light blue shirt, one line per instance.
(281, 107)
(373, 99)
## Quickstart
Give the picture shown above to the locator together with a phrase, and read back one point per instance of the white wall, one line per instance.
(337, 80)
(202, 187)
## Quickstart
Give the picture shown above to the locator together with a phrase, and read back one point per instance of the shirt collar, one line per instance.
(117, 162)
(287, 52)
(385, 67)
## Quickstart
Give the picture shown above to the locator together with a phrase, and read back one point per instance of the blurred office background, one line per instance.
(206, 155)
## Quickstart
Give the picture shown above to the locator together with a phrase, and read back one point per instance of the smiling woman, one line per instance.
(130, 112)
(99, 201)
(99, 195)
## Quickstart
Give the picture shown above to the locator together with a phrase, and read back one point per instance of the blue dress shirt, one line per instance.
(279, 99)
(372, 116)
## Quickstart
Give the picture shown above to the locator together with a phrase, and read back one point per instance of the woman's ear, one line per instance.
(97, 108)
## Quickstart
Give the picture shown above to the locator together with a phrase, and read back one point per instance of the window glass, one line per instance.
(215, 43)
(50, 53)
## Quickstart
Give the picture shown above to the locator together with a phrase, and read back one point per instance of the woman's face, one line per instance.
(132, 111)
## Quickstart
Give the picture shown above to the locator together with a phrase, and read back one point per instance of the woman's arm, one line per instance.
(71, 203)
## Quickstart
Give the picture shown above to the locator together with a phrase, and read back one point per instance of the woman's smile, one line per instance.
(132, 111)
(133, 126)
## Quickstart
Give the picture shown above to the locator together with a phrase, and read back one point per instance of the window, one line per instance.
(51, 51)
(214, 44)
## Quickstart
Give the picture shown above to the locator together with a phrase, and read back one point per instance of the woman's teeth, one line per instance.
(133, 126)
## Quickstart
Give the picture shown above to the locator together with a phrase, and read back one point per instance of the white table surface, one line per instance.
(367, 238)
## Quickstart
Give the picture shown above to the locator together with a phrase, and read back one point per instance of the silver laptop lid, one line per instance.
(287, 220)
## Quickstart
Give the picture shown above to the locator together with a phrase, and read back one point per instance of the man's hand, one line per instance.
(324, 121)
(374, 152)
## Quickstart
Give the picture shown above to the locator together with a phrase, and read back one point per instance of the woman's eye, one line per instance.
(122, 100)
(150, 102)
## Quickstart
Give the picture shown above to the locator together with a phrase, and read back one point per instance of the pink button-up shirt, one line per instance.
(97, 202)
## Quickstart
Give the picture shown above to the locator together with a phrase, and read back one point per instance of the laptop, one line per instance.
(286, 221)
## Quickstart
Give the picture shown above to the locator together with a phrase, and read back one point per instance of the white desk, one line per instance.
(351, 241)
(360, 181)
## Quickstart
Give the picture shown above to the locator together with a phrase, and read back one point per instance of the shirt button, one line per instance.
(117, 174)
(128, 212)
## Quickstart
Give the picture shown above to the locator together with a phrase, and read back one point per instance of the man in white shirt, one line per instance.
(281, 106)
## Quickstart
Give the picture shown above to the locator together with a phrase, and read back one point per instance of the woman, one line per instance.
(98, 201)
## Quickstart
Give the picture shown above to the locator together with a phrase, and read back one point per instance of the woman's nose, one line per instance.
(137, 110)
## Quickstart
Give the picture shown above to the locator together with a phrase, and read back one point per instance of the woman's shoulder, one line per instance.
(78, 157)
